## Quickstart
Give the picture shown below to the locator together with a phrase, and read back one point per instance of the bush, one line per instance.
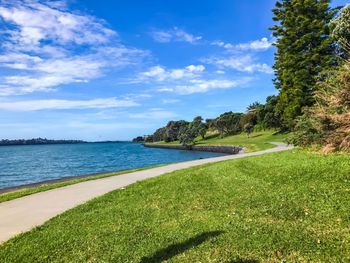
(308, 131)
(328, 122)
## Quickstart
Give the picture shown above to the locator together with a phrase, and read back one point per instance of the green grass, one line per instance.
(44, 187)
(258, 140)
(289, 206)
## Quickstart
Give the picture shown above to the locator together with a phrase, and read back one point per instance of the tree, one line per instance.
(304, 49)
(210, 124)
(254, 114)
(202, 130)
(272, 117)
(248, 118)
(149, 138)
(228, 123)
(187, 135)
(254, 106)
(172, 130)
(138, 139)
(340, 27)
(199, 127)
(159, 134)
(248, 128)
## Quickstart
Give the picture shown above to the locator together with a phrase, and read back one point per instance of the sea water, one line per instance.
(26, 164)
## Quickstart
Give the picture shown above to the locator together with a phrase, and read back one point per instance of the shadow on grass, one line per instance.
(255, 135)
(173, 250)
(212, 136)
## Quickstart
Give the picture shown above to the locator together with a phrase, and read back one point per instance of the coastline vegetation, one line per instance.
(37, 141)
(257, 141)
(281, 207)
(258, 117)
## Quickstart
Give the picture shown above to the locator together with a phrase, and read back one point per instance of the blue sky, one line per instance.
(112, 70)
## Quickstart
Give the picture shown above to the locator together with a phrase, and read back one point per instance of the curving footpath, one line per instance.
(22, 214)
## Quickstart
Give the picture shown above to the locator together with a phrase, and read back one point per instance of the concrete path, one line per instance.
(22, 214)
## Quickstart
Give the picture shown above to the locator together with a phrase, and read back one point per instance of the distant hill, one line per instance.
(37, 141)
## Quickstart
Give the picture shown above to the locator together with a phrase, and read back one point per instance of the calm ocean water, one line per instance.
(34, 163)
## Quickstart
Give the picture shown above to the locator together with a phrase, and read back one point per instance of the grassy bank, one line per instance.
(283, 207)
(256, 142)
(45, 187)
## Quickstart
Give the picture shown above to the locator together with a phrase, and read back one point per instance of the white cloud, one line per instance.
(255, 45)
(170, 101)
(159, 73)
(244, 63)
(191, 79)
(161, 36)
(48, 46)
(155, 114)
(175, 34)
(37, 21)
(202, 85)
(197, 68)
(56, 104)
(156, 72)
(177, 73)
(261, 44)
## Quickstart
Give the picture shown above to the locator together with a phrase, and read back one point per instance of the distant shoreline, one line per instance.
(50, 142)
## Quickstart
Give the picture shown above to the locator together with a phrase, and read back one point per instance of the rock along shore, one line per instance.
(203, 148)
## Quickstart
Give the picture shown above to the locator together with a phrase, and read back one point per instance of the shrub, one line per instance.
(327, 123)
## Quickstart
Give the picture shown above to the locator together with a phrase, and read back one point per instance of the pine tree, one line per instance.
(340, 32)
(304, 49)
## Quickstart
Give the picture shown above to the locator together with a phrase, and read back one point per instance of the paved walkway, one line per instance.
(22, 214)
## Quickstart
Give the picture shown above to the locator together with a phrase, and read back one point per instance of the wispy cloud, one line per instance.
(241, 57)
(188, 80)
(48, 45)
(155, 114)
(170, 101)
(255, 45)
(36, 21)
(174, 34)
(55, 104)
(160, 73)
(242, 63)
(205, 85)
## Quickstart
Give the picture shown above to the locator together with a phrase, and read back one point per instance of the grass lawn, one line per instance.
(258, 140)
(289, 206)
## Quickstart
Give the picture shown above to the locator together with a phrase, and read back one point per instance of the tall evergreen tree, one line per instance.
(304, 49)
(340, 32)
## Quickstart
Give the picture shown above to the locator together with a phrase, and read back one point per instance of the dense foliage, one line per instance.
(257, 117)
(304, 50)
(340, 33)
(228, 123)
(328, 121)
